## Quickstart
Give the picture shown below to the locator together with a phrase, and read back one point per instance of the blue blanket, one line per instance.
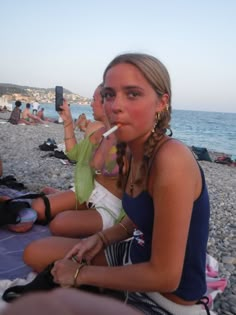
(12, 244)
(11, 251)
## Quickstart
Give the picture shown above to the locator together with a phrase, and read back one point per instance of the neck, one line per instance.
(137, 147)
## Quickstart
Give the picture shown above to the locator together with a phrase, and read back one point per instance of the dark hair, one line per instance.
(27, 105)
(18, 103)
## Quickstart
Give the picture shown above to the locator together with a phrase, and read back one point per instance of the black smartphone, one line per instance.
(58, 97)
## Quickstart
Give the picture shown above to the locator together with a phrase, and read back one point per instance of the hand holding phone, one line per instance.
(58, 98)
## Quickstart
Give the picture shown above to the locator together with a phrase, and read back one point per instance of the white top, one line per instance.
(35, 105)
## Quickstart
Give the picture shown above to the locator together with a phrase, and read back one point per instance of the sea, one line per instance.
(212, 130)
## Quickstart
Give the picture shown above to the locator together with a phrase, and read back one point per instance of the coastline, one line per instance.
(19, 150)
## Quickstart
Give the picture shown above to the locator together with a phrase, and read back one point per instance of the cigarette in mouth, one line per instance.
(108, 132)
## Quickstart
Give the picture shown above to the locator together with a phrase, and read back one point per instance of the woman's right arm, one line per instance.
(88, 248)
(69, 135)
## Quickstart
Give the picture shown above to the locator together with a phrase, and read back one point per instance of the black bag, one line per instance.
(9, 209)
(42, 282)
(201, 153)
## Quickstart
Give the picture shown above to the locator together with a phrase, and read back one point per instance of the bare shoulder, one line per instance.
(174, 150)
(93, 126)
(175, 158)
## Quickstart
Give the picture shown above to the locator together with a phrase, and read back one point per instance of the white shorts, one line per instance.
(107, 204)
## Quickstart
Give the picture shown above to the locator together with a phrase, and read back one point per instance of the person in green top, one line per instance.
(94, 188)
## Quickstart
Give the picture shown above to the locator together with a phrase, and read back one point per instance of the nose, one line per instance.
(117, 104)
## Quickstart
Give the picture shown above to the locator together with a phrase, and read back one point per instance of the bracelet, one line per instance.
(69, 123)
(124, 227)
(68, 138)
(103, 239)
(77, 273)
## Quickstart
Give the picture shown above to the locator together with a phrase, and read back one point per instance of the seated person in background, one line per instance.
(28, 117)
(82, 122)
(96, 195)
(35, 107)
(15, 117)
(40, 114)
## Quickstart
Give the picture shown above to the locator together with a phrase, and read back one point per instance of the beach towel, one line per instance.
(13, 270)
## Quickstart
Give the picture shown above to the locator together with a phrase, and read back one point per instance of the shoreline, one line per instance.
(19, 150)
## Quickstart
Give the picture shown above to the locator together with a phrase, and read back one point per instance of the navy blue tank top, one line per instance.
(140, 210)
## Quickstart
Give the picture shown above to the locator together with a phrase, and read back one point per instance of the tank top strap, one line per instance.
(156, 150)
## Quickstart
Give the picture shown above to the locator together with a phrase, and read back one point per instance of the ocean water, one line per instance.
(215, 131)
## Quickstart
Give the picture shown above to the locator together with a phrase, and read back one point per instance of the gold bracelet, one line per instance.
(103, 239)
(68, 138)
(124, 227)
(77, 273)
(68, 124)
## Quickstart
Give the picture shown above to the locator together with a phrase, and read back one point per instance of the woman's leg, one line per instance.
(76, 223)
(59, 202)
(40, 253)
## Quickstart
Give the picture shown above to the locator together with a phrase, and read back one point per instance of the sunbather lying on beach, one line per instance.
(95, 180)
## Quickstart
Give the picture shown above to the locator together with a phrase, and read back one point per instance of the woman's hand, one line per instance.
(63, 272)
(65, 112)
(86, 249)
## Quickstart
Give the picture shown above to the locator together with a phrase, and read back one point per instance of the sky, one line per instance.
(54, 42)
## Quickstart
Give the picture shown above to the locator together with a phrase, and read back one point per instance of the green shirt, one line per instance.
(84, 174)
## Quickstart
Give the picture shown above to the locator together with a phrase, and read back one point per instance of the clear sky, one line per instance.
(55, 42)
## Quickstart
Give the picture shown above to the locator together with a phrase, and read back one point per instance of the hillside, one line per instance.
(13, 92)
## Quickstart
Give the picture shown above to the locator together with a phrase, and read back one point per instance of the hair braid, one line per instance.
(149, 147)
(121, 152)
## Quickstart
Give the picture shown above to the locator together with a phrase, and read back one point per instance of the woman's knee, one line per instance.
(61, 224)
(56, 225)
(31, 255)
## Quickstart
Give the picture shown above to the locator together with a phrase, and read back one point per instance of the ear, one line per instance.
(163, 102)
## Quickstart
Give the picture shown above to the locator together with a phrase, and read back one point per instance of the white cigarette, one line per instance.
(108, 132)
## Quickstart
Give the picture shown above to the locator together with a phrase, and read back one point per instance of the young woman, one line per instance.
(95, 187)
(162, 268)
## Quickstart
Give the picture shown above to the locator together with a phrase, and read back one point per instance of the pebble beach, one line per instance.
(22, 158)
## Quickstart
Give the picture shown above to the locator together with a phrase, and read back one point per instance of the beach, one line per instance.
(22, 158)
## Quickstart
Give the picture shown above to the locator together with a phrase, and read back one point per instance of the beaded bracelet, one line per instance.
(77, 273)
(68, 138)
